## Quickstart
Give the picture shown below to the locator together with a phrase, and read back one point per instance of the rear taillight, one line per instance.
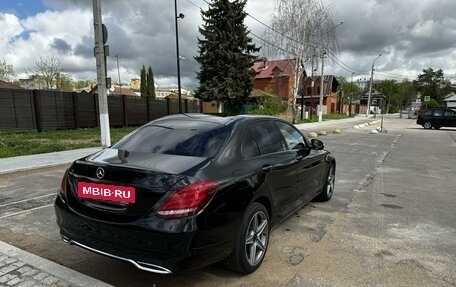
(188, 200)
(63, 184)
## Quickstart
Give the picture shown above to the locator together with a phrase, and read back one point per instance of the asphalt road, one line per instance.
(391, 221)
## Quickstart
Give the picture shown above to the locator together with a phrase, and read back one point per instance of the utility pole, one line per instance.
(181, 16)
(320, 106)
(100, 40)
(295, 88)
(118, 73)
(311, 87)
(370, 86)
(304, 92)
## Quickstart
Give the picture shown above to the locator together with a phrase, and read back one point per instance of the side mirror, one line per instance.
(317, 144)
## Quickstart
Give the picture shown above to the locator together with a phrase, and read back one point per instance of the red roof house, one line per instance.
(276, 76)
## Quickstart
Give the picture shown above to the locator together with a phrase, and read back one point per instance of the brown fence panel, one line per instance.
(116, 112)
(7, 110)
(193, 106)
(157, 108)
(56, 110)
(87, 114)
(209, 107)
(48, 110)
(25, 113)
(16, 110)
(136, 110)
(174, 106)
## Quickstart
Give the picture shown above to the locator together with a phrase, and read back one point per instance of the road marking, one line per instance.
(24, 200)
(25, 211)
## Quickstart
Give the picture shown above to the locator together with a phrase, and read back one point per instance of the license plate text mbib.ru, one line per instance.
(106, 192)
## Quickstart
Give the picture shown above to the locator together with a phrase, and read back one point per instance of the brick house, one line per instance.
(277, 76)
(311, 93)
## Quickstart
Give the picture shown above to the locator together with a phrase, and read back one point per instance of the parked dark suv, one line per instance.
(437, 118)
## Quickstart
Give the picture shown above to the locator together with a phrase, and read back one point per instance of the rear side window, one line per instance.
(267, 137)
(250, 147)
(197, 139)
(450, 113)
(438, 113)
(428, 112)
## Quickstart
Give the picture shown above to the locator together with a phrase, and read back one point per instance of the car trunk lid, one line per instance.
(116, 186)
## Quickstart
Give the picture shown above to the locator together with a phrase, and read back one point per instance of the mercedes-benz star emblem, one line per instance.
(100, 173)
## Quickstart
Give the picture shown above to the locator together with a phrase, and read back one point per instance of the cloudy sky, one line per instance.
(411, 35)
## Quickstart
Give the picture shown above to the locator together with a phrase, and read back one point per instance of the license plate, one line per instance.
(107, 192)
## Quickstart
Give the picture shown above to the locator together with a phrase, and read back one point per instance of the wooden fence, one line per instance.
(50, 110)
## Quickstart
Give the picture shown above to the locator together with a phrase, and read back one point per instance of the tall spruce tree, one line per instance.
(150, 83)
(143, 82)
(225, 55)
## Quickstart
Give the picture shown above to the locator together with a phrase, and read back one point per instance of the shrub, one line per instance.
(269, 104)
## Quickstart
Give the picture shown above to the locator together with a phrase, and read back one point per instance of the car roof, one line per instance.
(216, 119)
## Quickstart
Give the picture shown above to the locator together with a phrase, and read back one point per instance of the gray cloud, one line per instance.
(412, 35)
(61, 46)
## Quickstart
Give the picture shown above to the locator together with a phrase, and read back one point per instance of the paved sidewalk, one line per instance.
(335, 123)
(19, 268)
(28, 162)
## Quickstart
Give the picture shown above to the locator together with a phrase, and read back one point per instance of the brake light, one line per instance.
(61, 192)
(189, 200)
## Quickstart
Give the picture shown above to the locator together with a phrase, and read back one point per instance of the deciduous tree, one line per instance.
(6, 71)
(301, 28)
(49, 69)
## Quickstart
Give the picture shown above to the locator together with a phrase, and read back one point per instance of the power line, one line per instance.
(191, 2)
(346, 67)
(267, 42)
(391, 74)
(267, 26)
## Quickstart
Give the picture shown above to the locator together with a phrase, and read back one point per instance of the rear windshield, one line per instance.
(197, 139)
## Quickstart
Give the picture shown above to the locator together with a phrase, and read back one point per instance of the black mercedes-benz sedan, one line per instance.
(189, 190)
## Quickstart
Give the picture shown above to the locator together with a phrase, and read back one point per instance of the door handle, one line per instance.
(267, 167)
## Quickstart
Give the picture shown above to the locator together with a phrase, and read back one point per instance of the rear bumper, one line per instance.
(420, 121)
(138, 264)
(145, 245)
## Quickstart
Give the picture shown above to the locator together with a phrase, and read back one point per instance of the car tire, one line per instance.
(327, 190)
(437, 127)
(252, 240)
(427, 125)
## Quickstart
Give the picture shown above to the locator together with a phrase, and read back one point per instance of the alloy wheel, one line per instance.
(256, 238)
(330, 181)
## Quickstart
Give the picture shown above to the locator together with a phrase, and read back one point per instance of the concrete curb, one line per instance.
(50, 267)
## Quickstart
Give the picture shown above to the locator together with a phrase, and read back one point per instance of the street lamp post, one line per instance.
(351, 96)
(320, 104)
(181, 16)
(118, 73)
(370, 85)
